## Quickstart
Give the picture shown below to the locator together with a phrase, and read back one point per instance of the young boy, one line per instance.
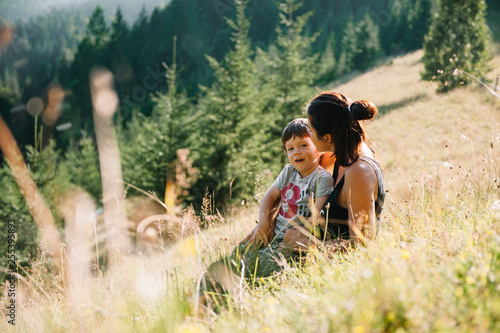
(298, 181)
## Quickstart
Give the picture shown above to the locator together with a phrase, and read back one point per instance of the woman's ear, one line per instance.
(327, 138)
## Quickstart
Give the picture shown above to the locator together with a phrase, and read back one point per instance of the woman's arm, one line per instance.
(262, 233)
(320, 202)
(360, 191)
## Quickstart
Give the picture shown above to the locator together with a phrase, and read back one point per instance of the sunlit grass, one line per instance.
(435, 265)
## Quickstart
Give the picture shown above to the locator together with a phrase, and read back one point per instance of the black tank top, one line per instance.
(334, 211)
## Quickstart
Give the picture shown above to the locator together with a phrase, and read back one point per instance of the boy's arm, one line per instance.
(265, 227)
(268, 202)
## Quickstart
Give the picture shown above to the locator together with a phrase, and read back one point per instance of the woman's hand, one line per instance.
(295, 240)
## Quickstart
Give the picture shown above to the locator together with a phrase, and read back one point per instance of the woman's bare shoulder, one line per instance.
(360, 172)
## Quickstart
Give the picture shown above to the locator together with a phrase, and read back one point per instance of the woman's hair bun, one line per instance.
(363, 110)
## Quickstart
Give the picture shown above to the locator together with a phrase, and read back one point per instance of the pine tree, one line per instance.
(409, 21)
(97, 29)
(327, 62)
(458, 40)
(91, 52)
(116, 50)
(82, 162)
(349, 48)
(229, 120)
(290, 73)
(368, 43)
(12, 84)
(157, 138)
(173, 115)
(360, 44)
(119, 28)
(419, 21)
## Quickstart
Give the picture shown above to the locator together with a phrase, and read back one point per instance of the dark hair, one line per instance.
(335, 114)
(297, 127)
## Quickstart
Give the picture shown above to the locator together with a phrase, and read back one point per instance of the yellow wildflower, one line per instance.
(189, 248)
(359, 329)
(190, 329)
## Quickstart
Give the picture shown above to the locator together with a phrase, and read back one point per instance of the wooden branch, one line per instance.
(38, 208)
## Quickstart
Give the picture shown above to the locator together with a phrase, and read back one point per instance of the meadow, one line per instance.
(434, 266)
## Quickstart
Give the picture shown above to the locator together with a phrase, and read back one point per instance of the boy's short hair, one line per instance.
(297, 127)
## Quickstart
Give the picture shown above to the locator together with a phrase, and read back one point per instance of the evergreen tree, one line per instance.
(327, 63)
(419, 21)
(361, 44)
(82, 163)
(52, 178)
(11, 84)
(229, 120)
(341, 64)
(172, 112)
(91, 52)
(13, 204)
(458, 39)
(409, 21)
(138, 35)
(149, 162)
(368, 43)
(264, 14)
(116, 51)
(292, 69)
(119, 28)
(349, 48)
(97, 29)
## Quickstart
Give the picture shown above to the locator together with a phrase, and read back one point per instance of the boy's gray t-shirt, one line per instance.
(295, 193)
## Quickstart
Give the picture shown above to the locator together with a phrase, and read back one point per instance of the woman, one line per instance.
(351, 214)
(354, 207)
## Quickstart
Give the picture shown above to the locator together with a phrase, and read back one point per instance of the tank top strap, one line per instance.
(335, 172)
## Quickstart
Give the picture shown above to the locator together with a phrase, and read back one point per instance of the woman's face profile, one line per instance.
(321, 143)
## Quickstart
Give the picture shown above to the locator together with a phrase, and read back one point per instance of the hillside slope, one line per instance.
(424, 135)
(434, 266)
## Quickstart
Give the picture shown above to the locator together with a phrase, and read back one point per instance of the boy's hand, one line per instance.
(257, 237)
(247, 237)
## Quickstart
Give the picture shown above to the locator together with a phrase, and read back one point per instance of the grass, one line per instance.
(435, 266)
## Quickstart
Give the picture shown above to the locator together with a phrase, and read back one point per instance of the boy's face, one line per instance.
(303, 155)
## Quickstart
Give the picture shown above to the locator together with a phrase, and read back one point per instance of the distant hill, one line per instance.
(25, 9)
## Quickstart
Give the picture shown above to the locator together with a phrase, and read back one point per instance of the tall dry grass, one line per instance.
(435, 265)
